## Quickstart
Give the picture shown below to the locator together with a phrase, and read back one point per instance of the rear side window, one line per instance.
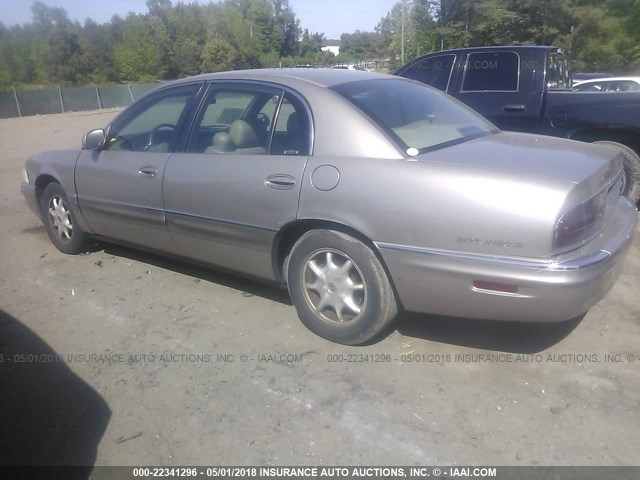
(609, 86)
(624, 86)
(250, 120)
(417, 117)
(557, 72)
(491, 72)
(226, 107)
(434, 71)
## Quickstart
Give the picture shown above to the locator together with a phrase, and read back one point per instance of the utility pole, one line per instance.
(402, 37)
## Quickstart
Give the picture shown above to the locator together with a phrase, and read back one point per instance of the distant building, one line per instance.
(335, 49)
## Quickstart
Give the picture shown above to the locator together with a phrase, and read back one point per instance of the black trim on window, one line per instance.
(395, 138)
(152, 97)
(239, 84)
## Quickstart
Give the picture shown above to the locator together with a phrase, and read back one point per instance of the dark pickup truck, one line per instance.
(527, 89)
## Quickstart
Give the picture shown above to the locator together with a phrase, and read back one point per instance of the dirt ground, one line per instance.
(121, 358)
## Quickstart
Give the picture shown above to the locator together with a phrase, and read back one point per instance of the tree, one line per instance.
(286, 28)
(188, 40)
(143, 53)
(419, 29)
(178, 39)
(218, 55)
(46, 17)
(311, 43)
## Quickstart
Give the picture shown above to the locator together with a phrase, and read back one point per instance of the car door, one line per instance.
(238, 182)
(499, 84)
(119, 186)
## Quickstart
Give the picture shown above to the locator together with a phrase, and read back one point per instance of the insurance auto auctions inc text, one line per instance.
(375, 472)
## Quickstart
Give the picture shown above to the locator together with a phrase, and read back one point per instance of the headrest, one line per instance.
(222, 142)
(293, 123)
(244, 135)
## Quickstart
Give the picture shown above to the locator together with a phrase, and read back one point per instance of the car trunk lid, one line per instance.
(586, 169)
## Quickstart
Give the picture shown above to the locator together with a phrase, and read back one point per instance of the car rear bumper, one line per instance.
(442, 282)
(29, 194)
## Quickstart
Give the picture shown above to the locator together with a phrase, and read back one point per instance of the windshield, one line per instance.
(417, 117)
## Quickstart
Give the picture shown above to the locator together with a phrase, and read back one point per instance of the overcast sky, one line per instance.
(332, 17)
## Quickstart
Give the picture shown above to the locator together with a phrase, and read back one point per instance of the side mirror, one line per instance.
(94, 139)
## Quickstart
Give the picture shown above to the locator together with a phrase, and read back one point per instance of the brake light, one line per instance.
(578, 225)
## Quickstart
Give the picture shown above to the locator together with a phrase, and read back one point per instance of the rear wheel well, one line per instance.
(289, 235)
(625, 137)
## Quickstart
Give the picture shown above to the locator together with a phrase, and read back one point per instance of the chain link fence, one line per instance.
(22, 103)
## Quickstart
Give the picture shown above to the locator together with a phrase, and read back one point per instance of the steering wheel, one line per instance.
(119, 143)
(264, 118)
(154, 133)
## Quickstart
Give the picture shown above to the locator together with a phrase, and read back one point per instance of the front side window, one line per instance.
(417, 117)
(434, 71)
(491, 72)
(250, 121)
(152, 124)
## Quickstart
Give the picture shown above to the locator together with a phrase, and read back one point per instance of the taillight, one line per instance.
(495, 287)
(580, 224)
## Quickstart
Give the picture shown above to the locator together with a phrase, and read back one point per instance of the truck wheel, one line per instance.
(631, 170)
(339, 287)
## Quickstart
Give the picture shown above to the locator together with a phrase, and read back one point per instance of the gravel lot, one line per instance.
(195, 367)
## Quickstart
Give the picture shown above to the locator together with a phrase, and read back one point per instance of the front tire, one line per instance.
(631, 170)
(339, 287)
(59, 221)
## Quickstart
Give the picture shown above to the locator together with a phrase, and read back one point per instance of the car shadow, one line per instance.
(514, 337)
(509, 337)
(244, 284)
(92, 246)
(48, 415)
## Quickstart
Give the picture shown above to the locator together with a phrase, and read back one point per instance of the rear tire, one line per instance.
(631, 170)
(339, 287)
(60, 222)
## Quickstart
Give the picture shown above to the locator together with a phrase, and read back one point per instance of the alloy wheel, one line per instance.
(60, 217)
(334, 286)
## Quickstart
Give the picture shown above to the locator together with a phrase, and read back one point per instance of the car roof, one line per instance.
(583, 76)
(610, 79)
(322, 77)
(491, 48)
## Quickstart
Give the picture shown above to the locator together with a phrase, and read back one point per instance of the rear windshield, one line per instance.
(417, 117)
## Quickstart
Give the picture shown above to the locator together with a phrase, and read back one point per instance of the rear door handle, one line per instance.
(514, 108)
(280, 182)
(148, 172)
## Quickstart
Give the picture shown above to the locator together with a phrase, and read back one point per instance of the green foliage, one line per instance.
(218, 55)
(602, 35)
(170, 41)
(144, 50)
(419, 29)
(180, 39)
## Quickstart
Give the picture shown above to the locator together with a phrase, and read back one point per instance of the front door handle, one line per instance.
(514, 108)
(148, 172)
(280, 182)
